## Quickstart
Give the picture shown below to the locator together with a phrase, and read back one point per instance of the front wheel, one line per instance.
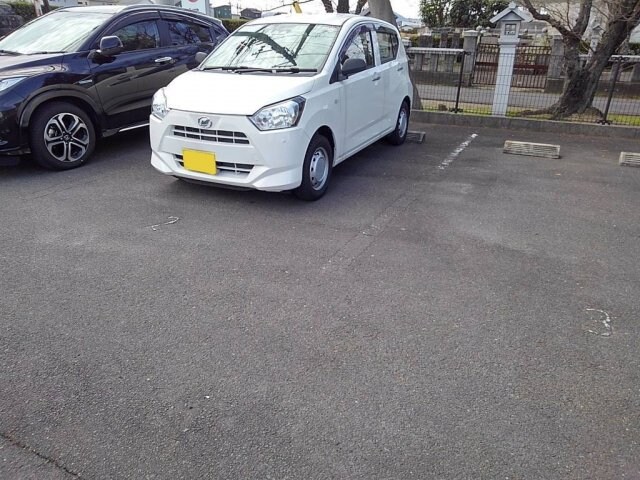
(62, 136)
(399, 135)
(316, 169)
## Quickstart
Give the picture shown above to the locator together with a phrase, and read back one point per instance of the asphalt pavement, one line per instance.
(446, 311)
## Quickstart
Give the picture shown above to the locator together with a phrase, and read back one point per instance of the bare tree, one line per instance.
(328, 6)
(619, 17)
(343, 6)
(360, 5)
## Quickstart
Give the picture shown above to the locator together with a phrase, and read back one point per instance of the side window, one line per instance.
(388, 42)
(359, 46)
(188, 33)
(139, 36)
(219, 34)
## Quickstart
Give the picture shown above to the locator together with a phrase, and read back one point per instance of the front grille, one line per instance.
(217, 136)
(242, 169)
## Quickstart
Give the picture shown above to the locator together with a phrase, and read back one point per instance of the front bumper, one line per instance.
(245, 156)
(12, 142)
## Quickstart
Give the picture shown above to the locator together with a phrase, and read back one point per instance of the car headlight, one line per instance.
(159, 104)
(281, 115)
(9, 82)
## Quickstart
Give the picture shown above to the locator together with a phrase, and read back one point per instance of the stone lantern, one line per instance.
(509, 21)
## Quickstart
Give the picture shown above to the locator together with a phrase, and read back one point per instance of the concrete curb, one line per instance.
(445, 118)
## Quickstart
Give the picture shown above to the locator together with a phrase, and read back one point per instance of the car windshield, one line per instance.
(275, 46)
(62, 31)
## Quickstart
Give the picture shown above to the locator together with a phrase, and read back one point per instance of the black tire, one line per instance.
(61, 136)
(316, 169)
(399, 135)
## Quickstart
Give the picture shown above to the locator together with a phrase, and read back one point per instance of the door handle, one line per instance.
(375, 78)
(400, 69)
(163, 60)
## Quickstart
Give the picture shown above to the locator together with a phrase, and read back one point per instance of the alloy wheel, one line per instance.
(66, 137)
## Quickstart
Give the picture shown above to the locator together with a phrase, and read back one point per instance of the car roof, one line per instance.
(337, 19)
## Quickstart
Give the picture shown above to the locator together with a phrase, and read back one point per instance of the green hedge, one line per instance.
(232, 24)
(24, 9)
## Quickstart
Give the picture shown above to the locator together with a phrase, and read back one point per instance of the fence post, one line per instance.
(616, 72)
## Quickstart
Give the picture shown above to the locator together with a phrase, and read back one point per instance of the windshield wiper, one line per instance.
(276, 70)
(243, 69)
(9, 52)
(44, 52)
(220, 67)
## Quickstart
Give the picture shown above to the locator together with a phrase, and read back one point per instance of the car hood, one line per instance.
(28, 64)
(232, 93)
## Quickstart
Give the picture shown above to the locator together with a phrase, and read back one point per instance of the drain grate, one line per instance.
(630, 159)
(415, 137)
(532, 149)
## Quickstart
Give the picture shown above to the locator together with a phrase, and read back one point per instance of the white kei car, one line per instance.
(283, 100)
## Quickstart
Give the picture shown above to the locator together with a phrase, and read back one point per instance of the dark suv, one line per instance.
(78, 73)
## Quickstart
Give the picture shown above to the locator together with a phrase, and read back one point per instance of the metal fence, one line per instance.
(453, 80)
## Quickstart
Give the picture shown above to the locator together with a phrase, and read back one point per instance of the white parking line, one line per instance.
(453, 155)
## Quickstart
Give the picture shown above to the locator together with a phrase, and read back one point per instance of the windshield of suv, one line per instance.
(293, 46)
(62, 31)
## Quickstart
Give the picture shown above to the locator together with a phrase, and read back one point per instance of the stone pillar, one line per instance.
(425, 41)
(557, 57)
(444, 37)
(450, 59)
(469, 45)
(635, 73)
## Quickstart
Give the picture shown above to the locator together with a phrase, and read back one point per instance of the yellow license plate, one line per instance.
(196, 161)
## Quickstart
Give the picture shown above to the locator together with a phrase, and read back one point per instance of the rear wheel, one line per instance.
(399, 135)
(316, 170)
(62, 136)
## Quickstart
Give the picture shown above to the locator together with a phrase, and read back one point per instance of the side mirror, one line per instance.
(200, 56)
(353, 66)
(109, 46)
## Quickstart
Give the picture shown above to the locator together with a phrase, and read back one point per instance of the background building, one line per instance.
(223, 11)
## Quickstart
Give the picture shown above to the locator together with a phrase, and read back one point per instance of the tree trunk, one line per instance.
(343, 6)
(328, 6)
(45, 6)
(360, 5)
(582, 80)
(382, 9)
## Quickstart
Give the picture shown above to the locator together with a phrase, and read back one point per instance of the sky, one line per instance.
(406, 8)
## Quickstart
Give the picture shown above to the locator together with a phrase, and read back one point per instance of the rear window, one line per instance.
(388, 42)
(188, 33)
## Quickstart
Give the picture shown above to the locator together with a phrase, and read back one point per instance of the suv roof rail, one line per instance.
(171, 8)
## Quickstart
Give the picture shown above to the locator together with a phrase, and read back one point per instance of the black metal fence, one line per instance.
(455, 81)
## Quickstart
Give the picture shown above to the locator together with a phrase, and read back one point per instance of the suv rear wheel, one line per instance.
(62, 136)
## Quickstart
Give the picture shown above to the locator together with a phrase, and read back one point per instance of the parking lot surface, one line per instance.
(445, 311)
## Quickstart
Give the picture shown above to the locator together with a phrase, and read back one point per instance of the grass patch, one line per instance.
(477, 109)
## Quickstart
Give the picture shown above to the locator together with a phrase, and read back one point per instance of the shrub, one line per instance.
(232, 24)
(24, 9)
